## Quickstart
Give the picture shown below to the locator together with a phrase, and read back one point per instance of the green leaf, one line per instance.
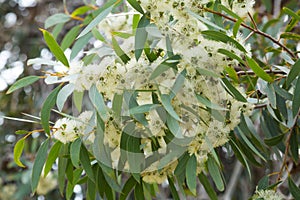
(91, 190)
(86, 163)
(174, 127)
(136, 6)
(229, 12)
(208, 188)
(123, 35)
(282, 92)
(292, 23)
(56, 19)
(129, 185)
(240, 155)
(117, 104)
(296, 98)
(18, 149)
(119, 51)
(249, 144)
(191, 174)
(98, 35)
(22, 83)
(295, 71)
(98, 101)
(38, 164)
(231, 55)
(63, 94)
(81, 10)
(220, 36)
(258, 70)
(138, 192)
(263, 183)
(205, 21)
(290, 36)
(294, 146)
(294, 189)
(178, 84)
(143, 108)
(232, 74)
(79, 45)
(173, 189)
(141, 36)
(53, 154)
(166, 102)
(208, 103)
(55, 48)
(271, 95)
(274, 140)
(70, 38)
(165, 65)
(77, 99)
(75, 152)
(62, 166)
(215, 173)
(46, 109)
(291, 13)
(21, 132)
(234, 92)
(57, 30)
(96, 21)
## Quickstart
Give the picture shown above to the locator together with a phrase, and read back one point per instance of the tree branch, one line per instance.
(255, 30)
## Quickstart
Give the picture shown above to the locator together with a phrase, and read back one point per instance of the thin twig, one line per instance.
(257, 31)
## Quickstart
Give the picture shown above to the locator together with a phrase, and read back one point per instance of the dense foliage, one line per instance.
(162, 93)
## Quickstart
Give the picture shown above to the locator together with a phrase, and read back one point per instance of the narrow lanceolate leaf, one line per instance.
(220, 36)
(129, 185)
(18, 149)
(258, 70)
(290, 36)
(166, 101)
(209, 104)
(96, 21)
(70, 37)
(136, 6)
(208, 188)
(38, 164)
(98, 101)
(296, 98)
(291, 13)
(294, 72)
(81, 10)
(22, 83)
(234, 92)
(75, 152)
(55, 48)
(53, 154)
(294, 189)
(63, 94)
(80, 44)
(56, 19)
(215, 173)
(86, 163)
(46, 109)
(191, 174)
(119, 51)
(141, 36)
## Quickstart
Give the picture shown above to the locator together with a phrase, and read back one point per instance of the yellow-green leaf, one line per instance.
(258, 70)
(22, 83)
(55, 48)
(18, 149)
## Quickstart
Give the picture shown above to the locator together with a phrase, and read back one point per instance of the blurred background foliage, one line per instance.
(21, 40)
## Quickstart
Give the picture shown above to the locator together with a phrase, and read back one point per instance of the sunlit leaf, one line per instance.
(56, 19)
(191, 174)
(18, 149)
(55, 48)
(22, 83)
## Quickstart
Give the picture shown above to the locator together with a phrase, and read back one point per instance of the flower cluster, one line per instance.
(67, 129)
(267, 195)
(189, 77)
